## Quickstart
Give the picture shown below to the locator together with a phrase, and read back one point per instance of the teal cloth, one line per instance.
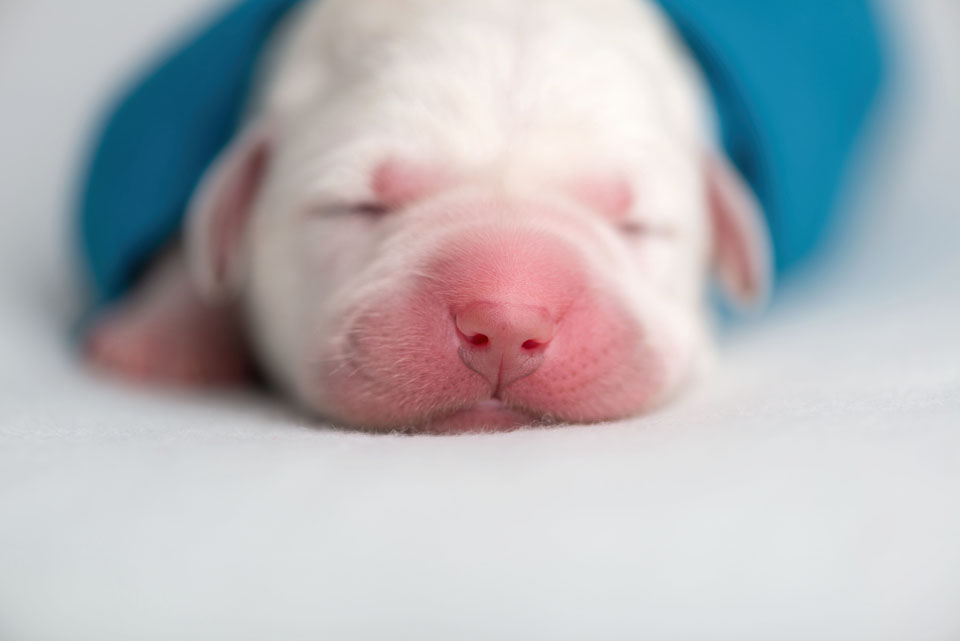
(793, 82)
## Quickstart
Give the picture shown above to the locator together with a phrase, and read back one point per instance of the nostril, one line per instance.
(503, 328)
(478, 340)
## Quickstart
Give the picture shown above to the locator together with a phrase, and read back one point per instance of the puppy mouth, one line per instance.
(492, 415)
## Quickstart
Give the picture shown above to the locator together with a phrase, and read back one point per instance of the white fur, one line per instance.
(515, 98)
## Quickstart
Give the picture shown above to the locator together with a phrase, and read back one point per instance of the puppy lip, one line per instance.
(491, 415)
(494, 403)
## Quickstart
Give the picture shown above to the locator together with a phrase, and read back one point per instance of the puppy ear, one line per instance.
(741, 243)
(220, 212)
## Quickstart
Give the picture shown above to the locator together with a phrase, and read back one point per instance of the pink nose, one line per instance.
(503, 342)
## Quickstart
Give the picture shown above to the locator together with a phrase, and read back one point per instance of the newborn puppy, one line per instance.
(457, 214)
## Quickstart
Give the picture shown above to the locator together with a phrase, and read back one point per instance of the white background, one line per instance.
(809, 490)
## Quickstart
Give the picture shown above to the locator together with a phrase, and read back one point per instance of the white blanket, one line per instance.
(810, 489)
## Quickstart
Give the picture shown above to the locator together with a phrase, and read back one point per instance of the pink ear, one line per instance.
(741, 246)
(221, 210)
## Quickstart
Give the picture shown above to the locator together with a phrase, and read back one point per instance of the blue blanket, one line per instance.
(793, 82)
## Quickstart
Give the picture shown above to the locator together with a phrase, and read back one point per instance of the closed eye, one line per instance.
(634, 228)
(639, 229)
(371, 209)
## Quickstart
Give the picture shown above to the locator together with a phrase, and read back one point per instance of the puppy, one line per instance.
(447, 215)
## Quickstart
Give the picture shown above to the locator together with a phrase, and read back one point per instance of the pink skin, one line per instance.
(164, 333)
(741, 254)
(503, 330)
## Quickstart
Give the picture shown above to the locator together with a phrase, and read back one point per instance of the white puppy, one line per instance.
(453, 214)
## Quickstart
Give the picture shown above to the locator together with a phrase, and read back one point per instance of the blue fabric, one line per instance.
(793, 82)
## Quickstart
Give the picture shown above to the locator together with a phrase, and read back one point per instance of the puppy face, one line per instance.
(406, 263)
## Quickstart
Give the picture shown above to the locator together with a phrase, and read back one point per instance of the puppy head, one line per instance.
(461, 278)
(409, 292)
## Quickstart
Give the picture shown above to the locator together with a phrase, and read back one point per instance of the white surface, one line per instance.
(810, 490)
